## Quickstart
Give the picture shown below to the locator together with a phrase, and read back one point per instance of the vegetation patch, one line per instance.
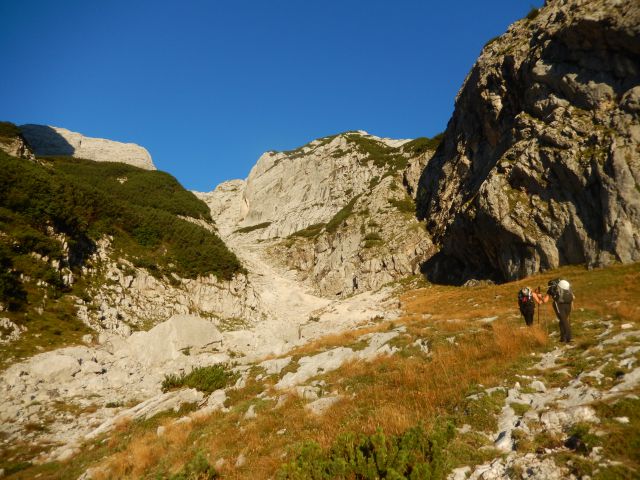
(311, 231)
(421, 145)
(8, 132)
(414, 454)
(205, 379)
(382, 155)
(251, 228)
(533, 14)
(372, 239)
(404, 205)
(344, 213)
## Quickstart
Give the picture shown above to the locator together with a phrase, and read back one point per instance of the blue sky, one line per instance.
(207, 86)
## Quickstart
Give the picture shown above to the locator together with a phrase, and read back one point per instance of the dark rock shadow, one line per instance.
(45, 141)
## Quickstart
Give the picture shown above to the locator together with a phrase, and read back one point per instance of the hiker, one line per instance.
(562, 294)
(527, 299)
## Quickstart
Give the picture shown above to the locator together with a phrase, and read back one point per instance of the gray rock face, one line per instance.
(355, 192)
(16, 147)
(45, 140)
(540, 163)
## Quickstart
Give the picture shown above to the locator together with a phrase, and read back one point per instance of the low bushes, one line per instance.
(205, 379)
(415, 454)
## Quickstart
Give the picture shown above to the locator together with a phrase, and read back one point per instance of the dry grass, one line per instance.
(394, 393)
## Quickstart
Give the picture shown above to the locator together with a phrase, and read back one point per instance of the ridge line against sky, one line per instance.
(208, 86)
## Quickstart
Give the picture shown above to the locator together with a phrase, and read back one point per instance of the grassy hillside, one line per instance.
(52, 213)
(420, 410)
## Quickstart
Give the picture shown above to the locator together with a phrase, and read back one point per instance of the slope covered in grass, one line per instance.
(433, 406)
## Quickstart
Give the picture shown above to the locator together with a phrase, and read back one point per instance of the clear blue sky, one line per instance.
(207, 86)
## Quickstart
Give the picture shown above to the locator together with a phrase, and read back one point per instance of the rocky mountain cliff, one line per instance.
(52, 141)
(338, 211)
(540, 163)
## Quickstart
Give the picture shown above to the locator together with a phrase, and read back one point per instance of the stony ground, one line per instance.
(557, 409)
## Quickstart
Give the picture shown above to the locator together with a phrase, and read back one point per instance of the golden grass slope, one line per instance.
(468, 352)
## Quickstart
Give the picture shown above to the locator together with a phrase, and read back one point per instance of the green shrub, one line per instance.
(8, 130)
(197, 469)
(533, 13)
(412, 455)
(404, 205)
(12, 294)
(423, 144)
(382, 155)
(344, 213)
(251, 228)
(311, 231)
(205, 379)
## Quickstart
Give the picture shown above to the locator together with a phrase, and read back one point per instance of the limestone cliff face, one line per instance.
(124, 298)
(45, 140)
(337, 211)
(540, 163)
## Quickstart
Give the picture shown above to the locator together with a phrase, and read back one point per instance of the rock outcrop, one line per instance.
(540, 163)
(46, 140)
(124, 298)
(338, 211)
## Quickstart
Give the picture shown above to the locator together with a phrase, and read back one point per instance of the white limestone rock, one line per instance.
(47, 140)
(172, 339)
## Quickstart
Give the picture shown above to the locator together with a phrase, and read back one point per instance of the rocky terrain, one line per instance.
(338, 211)
(51, 141)
(540, 163)
(308, 298)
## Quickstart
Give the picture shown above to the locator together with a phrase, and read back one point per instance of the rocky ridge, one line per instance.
(338, 211)
(51, 141)
(540, 163)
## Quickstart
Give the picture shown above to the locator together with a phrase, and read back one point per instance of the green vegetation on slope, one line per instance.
(422, 144)
(85, 200)
(8, 131)
(205, 379)
(414, 454)
(146, 188)
(382, 155)
(51, 215)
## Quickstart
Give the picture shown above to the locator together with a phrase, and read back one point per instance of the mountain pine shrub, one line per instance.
(415, 454)
(205, 379)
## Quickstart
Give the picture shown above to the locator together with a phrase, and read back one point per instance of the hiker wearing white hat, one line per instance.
(562, 294)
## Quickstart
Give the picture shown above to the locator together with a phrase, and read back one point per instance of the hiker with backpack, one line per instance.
(562, 294)
(527, 299)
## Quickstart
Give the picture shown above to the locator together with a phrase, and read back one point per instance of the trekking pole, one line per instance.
(538, 306)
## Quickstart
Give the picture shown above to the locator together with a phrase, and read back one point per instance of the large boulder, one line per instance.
(180, 335)
(540, 163)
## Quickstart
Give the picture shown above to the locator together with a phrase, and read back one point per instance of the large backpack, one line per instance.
(525, 296)
(560, 295)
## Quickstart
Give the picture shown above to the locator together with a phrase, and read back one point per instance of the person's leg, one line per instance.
(556, 309)
(565, 310)
(528, 318)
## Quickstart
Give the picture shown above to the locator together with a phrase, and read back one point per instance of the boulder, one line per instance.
(173, 338)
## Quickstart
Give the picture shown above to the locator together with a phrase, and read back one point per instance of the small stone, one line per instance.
(459, 473)
(622, 419)
(538, 386)
(251, 413)
(626, 326)
(241, 461)
(219, 463)
(282, 431)
(66, 454)
(161, 430)
(184, 420)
